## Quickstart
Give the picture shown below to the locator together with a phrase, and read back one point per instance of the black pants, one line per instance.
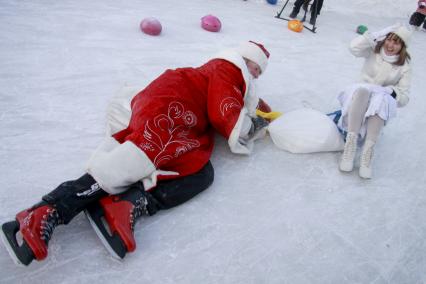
(417, 19)
(170, 193)
(318, 3)
(72, 197)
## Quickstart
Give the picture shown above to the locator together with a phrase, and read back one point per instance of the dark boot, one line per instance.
(294, 13)
(37, 223)
(313, 18)
(416, 19)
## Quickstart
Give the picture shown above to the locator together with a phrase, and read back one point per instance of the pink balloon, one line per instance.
(151, 26)
(211, 23)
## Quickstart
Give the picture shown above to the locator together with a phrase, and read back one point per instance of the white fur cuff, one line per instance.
(115, 168)
(234, 139)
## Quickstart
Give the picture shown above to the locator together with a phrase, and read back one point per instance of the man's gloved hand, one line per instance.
(258, 123)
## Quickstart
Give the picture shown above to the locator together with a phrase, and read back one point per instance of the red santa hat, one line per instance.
(255, 52)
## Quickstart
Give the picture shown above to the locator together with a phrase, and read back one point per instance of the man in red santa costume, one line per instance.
(160, 159)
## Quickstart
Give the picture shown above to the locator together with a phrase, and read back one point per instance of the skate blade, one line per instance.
(10, 249)
(102, 237)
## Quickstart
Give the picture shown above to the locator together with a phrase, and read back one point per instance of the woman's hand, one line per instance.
(381, 35)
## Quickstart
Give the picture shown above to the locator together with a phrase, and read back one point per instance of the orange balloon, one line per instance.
(295, 26)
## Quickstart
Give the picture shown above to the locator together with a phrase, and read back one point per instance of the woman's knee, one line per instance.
(361, 93)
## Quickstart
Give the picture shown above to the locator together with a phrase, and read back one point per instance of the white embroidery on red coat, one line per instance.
(174, 128)
(227, 103)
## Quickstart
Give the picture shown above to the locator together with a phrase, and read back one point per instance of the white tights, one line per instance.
(356, 113)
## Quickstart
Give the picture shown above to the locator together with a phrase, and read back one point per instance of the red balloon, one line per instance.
(211, 23)
(151, 26)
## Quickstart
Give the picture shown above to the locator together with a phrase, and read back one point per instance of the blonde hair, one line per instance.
(403, 53)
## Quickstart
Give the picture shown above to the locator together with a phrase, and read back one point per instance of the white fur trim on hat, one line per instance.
(404, 34)
(253, 52)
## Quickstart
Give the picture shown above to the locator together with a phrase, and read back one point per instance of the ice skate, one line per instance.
(27, 237)
(348, 156)
(35, 226)
(113, 220)
(365, 168)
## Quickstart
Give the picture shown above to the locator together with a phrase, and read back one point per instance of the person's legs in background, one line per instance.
(296, 8)
(315, 11)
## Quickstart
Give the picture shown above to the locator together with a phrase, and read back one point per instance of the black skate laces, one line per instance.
(50, 220)
(139, 210)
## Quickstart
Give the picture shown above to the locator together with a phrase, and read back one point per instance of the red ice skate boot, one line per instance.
(113, 219)
(27, 237)
(36, 226)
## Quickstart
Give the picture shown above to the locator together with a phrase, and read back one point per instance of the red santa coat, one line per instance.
(173, 121)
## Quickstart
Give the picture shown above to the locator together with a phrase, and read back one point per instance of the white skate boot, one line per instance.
(365, 167)
(348, 156)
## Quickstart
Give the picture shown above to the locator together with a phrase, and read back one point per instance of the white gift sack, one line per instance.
(305, 131)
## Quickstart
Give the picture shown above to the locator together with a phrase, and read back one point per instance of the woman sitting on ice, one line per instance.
(367, 106)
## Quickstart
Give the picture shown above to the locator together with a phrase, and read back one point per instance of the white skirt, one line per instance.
(379, 104)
